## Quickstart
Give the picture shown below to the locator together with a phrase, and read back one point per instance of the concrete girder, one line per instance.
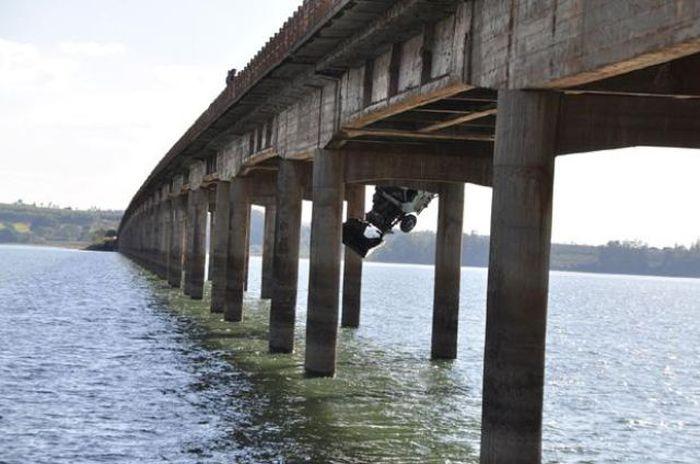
(601, 122)
(430, 166)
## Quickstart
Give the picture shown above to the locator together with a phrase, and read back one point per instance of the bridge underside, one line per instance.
(429, 94)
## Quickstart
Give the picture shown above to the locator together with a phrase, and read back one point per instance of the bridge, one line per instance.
(433, 94)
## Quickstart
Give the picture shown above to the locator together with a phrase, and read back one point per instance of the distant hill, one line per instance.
(22, 223)
(613, 258)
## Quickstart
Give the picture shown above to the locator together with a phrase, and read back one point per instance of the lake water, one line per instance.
(100, 362)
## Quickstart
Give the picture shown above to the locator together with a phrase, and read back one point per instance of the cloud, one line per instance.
(100, 124)
(23, 65)
(92, 49)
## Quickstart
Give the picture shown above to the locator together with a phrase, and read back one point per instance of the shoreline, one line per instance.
(82, 246)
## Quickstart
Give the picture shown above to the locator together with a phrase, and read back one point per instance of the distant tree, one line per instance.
(8, 235)
(111, 233)
(629, 257)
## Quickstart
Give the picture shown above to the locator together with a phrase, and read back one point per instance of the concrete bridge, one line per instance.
(416, 92)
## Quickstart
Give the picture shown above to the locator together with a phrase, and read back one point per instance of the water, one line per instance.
(99, 362)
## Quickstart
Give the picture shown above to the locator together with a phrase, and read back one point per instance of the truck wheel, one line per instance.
(408, 222)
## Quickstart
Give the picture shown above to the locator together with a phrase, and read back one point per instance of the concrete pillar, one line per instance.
(220, 248)
(352, 274)
(198, 255)
(267, 280)
(285, 268)
(167, 238)
(448, 261)
(324, 266)
(175, 257)
(155, 238)
(518, 280)
(212, 220)
(247, 250)
(239, 207)
(184, 237)
(187, 237)
(152, 234)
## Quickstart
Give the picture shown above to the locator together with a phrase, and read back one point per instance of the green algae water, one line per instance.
(101, 362)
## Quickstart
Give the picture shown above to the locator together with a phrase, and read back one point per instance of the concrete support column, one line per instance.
(247, 250)
(285, 267)
(521, 221)
(187, 237)
(198, 255)
(220, 247)
(175, 257)
(267, 280)
(152, 266)
(211, 224)
(448, 261)
(352, 275)
(239, 207)
(155, 239)
(167, 238)
(324, 266)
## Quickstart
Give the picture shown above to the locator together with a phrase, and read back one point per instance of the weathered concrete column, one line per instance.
(521, 222)
(167, 237)
(267, 280)
(285, 268)
(152, 243)
(220, 247)
(155, 239)
(175, 257)
(212, 219)
(352, 275)
(239, 206)
(188, 236)
(198, 255)
(211, 224)
(184, 238)
(448, 261)
(324, 265)
(247, 250)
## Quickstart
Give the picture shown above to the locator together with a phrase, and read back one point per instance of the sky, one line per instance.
(93, 94)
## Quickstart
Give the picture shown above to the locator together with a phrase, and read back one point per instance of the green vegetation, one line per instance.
(613, 258)
(22, 223)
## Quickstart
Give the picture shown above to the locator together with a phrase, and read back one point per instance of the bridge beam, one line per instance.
(518, 277)
(268, 278)
(352, 274)
(324, 263)
(291, 181)
(448, 261)
(239, 214)
(220, 247)
(591, 122)
(461, 163)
